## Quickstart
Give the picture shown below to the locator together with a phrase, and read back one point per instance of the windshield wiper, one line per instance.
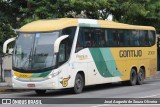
(27, 59)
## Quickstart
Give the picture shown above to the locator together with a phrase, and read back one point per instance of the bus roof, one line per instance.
(57, 24)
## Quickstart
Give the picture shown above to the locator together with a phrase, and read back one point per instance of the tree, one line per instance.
(44, 9)
(16, 13)
(152, 18)
(140, 12)
(6, 29)
(95, 9)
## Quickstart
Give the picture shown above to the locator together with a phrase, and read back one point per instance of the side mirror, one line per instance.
(10, 51)
(58, 41)
(5, 46)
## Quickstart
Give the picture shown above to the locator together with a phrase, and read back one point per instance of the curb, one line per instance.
(157, 76)
(5, 87)
(4, 84)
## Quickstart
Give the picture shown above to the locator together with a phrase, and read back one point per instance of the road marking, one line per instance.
(101, 105)
(105, 105)
(150, 84)
(150, 96)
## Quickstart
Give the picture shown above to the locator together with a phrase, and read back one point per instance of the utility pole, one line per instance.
(1, 62)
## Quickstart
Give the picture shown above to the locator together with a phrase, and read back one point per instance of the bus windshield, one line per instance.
(34, 51)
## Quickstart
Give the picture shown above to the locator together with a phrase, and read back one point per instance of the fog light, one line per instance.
(53, 84)
(50, 76)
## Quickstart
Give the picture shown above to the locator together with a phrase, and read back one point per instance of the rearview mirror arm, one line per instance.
(6, 43)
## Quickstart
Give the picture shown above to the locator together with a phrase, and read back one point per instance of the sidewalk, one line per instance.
(157, 75)
(5, 87)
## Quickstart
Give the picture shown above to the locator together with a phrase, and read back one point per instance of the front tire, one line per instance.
(79, 84)
(40, 92)
(140, 77)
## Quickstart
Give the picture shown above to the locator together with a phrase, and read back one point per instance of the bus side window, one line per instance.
(116, 38)
(71, 32)
(80, 41)
(127, 38)
(110, 37)
(89, 38)
(106, 38)
(134, 38)
(151, 36)
(98, 38)
(121, 38)
(101, 38)
(142, 36)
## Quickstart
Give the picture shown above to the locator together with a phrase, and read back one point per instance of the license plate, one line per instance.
(31, 85)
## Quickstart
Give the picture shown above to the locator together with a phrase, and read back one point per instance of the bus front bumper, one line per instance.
(45, 84)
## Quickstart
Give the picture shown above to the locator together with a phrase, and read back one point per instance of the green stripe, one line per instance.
(43, 74)
(88, 25)
(104, 62)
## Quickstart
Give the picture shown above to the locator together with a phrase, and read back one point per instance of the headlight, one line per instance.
(15, 77)
(53, 74)
(12, 75)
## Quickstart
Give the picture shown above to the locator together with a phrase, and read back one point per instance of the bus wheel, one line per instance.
(133, 77)
(40, 92)
(140, 77)
(79, 84)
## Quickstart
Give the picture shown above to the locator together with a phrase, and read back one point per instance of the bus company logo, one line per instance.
(82, 57)
(130, 53)
(64, 82)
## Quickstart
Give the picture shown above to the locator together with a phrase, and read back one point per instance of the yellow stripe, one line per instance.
(83, 58)
(22, 75)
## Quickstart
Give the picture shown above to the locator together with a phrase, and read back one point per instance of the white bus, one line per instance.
(73, 53)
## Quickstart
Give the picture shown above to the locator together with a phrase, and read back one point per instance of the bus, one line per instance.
(74, 53)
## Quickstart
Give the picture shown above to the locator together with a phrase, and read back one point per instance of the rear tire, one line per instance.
(40, 92)
(133, 77)
(79, 84)
(140, 77)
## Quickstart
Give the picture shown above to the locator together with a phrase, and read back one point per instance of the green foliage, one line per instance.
(6, 29)
(140, 12)
(16, 13)
(127, 9)
(152, 18)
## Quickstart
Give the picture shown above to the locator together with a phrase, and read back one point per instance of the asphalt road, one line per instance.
(150, 89)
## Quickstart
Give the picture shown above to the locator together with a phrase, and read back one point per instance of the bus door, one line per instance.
(62, 65)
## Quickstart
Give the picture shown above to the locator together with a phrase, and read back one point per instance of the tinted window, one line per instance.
(134, 39)
(151, 37)
(127, 38)
(66, 45)
(109, 37)
(96, 37)
(121, 41)
(86, 38)
(69, 41)
(143, 38)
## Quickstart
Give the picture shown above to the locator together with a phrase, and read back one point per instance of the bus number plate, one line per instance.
(31, 85)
